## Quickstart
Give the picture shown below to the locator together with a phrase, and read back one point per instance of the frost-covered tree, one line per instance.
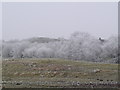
(83, 46)
(19, 49)
(7, 50)
(45, 52)
(110, 48)
(80, 46)
(0, 49)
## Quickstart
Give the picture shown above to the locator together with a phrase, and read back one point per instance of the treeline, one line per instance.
(80, 46)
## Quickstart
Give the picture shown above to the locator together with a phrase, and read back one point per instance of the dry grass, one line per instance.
(55, 73)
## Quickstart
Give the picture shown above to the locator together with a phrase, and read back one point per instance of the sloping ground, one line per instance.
(41, 40)
(37, 73)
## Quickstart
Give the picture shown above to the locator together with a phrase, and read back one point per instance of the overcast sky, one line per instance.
(25, 20)
(0, 21)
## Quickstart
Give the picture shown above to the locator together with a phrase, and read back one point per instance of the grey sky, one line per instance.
(25, 20)
(0, 21)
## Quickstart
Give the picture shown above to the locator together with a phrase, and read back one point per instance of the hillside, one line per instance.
(41, 40)
(35, 39)
(38, 73)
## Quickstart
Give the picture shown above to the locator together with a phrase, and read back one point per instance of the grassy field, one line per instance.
(40, 73)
